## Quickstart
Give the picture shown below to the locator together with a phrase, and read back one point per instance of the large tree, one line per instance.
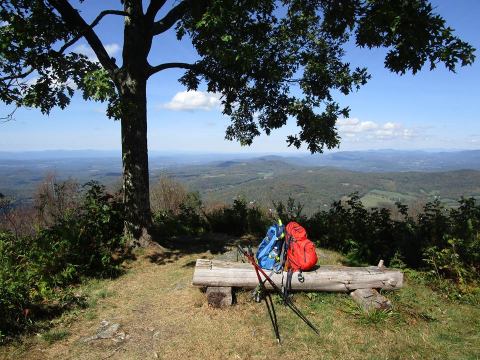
(270, 60)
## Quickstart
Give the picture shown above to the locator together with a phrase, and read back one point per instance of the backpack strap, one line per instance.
(288, 284)
(282, 256)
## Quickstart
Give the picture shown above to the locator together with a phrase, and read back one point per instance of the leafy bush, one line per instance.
(239, 219)
(35, 269)
(14, 283)
(176, 211)
(291, 211)
(367, 236)
(82, 242)
(446, 262)
(179, 212)
(466, 230)
(445, 242)
(186, 220)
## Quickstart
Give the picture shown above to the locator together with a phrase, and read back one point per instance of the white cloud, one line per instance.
(353, 128)
(193, 100)
(391, 126)
(354, 125)
(474, 139)
(84, 49)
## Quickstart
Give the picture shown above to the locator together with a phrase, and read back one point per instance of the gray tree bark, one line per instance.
(135, 161)
(132, 86)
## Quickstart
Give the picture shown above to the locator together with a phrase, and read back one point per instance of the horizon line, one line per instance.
(205, 152)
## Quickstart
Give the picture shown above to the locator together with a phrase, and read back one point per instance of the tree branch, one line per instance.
(158, 68)
(171, 18)
(92, 25)
(153, 8)
(18, 76)
(9, 116)
(73, 19)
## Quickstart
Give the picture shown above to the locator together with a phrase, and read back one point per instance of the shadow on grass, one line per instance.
(163, 258)
(178, 246)
(191, 264)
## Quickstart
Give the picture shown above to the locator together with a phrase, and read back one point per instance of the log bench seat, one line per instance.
(225, 275)
(325, 278)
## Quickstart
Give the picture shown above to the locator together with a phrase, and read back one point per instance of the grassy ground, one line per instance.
(375, 197)
(166, 318)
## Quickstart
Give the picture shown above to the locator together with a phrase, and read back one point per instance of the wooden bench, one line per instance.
(219, 277)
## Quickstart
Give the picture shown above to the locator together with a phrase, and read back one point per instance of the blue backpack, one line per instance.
(269, 251)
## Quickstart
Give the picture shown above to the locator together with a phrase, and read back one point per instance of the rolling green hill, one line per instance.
(263, 181)
(259, 180)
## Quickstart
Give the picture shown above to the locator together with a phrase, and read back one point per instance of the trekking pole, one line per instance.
(267, 298)
(273, 316)
(286, 299)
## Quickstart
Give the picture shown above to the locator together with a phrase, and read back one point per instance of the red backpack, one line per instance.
(301, 255)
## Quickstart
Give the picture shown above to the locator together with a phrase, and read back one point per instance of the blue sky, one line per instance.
(433, 109)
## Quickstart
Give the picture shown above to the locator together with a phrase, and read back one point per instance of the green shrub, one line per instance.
(186, 220)
(15, 283)
(446, 262)
(82, 243)
(447, 238)
(35, 270)
(291, 211)
(230, 220)
(239, 219)
(443, 242)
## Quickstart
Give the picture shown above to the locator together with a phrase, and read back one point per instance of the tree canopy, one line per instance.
(252, 52)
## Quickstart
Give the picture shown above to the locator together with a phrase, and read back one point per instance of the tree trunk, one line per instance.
(132, 84)
(136, 194)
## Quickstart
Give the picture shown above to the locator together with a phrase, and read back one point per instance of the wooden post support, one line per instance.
(380, 265)
(219, 296)
(370, 299)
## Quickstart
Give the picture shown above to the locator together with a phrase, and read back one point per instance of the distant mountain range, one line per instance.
(396, 160)
(369, 161)
(267, 179)
(380, 177)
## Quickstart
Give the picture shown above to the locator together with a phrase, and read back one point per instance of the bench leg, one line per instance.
(370, 299)
(219, 297)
